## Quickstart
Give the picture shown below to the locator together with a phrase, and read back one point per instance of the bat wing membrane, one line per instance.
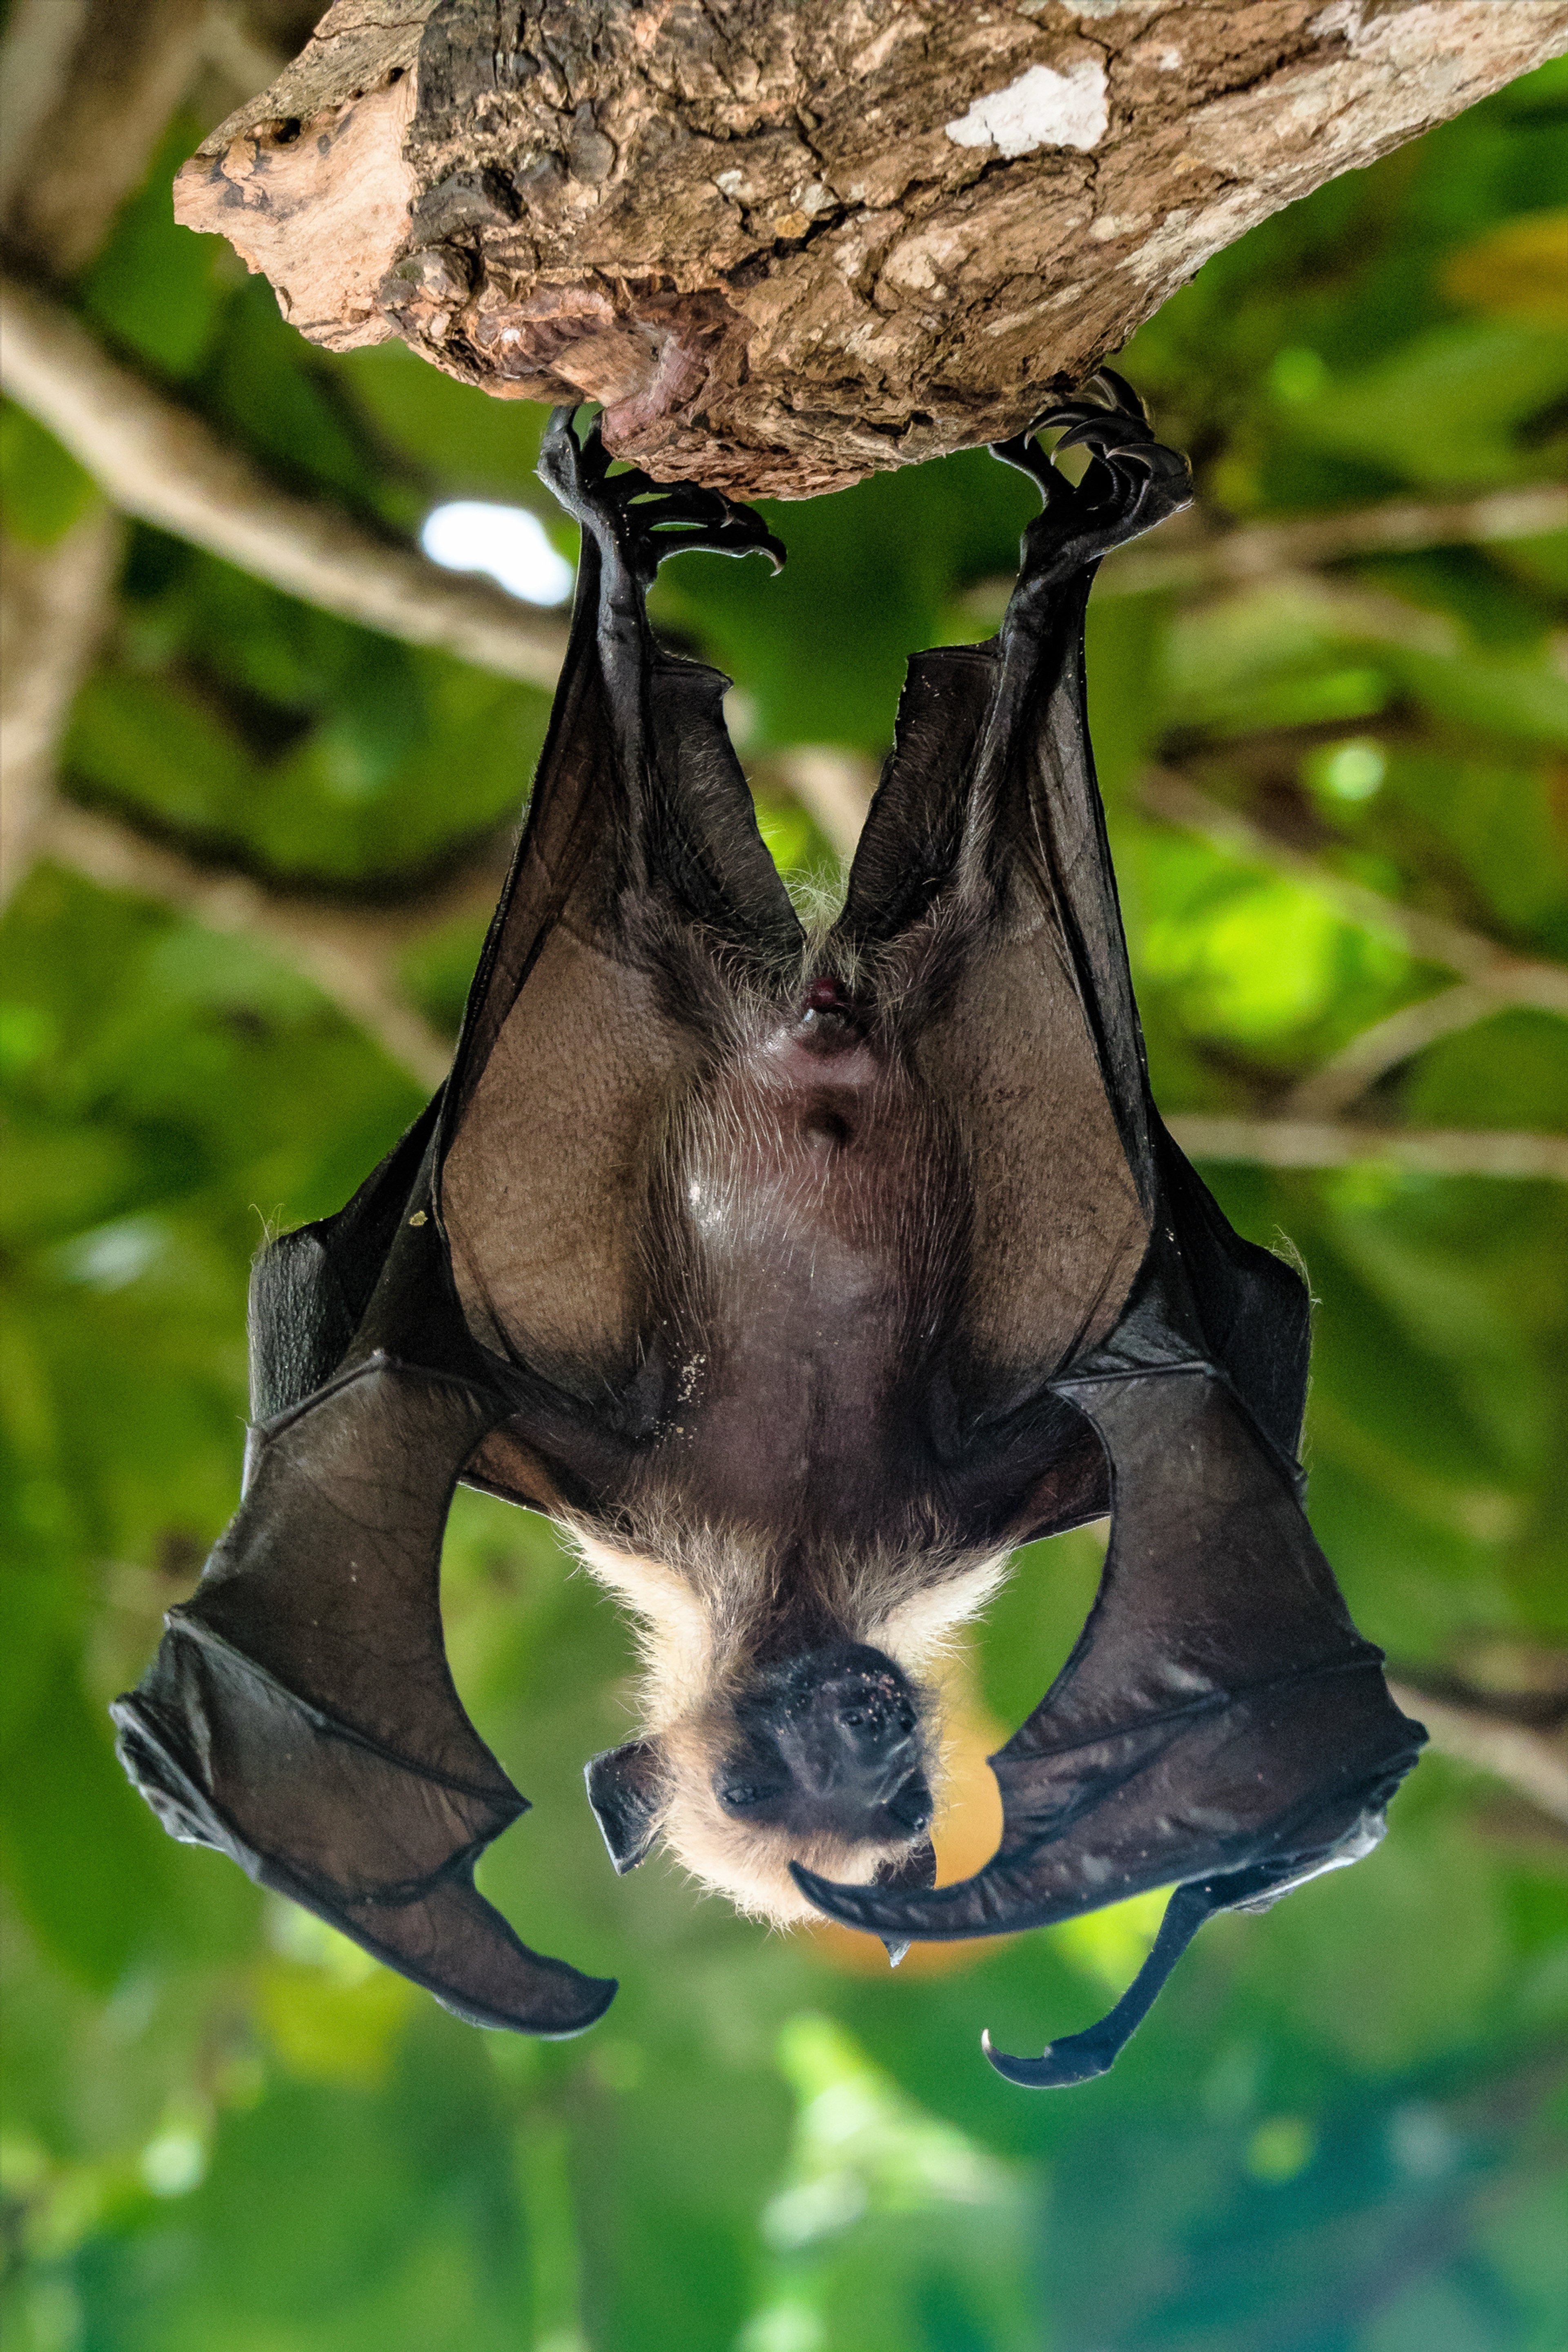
(583, 1029)
(300, 1715)
(1220, 1725)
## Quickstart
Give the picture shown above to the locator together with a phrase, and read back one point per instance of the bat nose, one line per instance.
(864, 1725)
(844, 1726)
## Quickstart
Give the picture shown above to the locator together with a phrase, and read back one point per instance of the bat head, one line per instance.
(762, 1751)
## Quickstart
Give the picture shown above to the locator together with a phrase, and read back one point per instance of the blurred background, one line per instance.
(251, 844)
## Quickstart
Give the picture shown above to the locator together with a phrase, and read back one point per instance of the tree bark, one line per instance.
(787, 243)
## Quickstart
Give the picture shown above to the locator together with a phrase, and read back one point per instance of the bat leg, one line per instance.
(637, 518)
(1080, 2057)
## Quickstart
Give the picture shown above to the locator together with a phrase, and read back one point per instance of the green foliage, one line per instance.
(43, 491)
(1337, 2134)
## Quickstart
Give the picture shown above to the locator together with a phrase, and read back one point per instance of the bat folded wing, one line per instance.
(1220, 1727)
(300, 1715)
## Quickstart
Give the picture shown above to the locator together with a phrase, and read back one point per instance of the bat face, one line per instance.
(801, 1277)
(776, 1734)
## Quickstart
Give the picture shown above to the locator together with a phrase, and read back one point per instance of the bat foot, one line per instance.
(641, 521)
(1134, 483)
(1081, 2057)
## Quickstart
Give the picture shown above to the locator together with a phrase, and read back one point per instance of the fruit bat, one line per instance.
(802, 1272)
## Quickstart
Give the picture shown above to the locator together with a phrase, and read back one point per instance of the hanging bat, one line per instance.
(801, 1272)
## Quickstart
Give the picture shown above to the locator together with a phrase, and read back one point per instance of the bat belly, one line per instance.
(806, 1191)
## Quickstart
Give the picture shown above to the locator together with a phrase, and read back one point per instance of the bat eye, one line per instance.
(746, 1796)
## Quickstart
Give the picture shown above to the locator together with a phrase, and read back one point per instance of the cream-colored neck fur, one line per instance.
(699, 1617)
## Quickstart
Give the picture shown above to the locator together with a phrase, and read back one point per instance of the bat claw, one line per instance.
(1135, 483)
(643, 520)
(1060, 2065)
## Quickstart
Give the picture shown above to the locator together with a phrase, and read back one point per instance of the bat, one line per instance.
(802, 1271)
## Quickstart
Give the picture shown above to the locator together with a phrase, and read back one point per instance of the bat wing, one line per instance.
(1220, 1726)
(300, 1715)
(584, 1029)
(987, 836)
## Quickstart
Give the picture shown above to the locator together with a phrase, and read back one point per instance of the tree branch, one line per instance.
(1511, 978)
(786, 247)
(1323, 1143)
(1493, 1741)
(1187, 559)
(160, 463)
(96, 83)
(54, 603)
(349, 953)
(1342, 1079)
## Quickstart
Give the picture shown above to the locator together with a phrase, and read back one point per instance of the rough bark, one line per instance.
(789, 245)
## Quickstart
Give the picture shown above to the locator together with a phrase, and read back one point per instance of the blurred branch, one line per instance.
(833, 786)
(55, 602)
(159, 462)
(41, 37)
(349, 953)
(1475, 1732)
(230, 48)
(1399, 528)
(1508, 978)
(1327, 1143)
(1189, 559)
(1348, 1074)
(94, 83)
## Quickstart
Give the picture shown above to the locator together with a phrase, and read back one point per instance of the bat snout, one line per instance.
(832, 1745)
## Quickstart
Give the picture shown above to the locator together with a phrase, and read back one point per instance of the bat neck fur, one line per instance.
(712, 1605)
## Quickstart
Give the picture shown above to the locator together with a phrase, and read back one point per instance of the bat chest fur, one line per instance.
(802, 1184)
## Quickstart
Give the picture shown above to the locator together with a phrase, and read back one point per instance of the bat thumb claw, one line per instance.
(1076, 2059)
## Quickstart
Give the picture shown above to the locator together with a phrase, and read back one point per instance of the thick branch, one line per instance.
(160, 463)
(789, 246)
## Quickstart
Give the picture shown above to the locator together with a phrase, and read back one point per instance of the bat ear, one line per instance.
(626, 1789)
